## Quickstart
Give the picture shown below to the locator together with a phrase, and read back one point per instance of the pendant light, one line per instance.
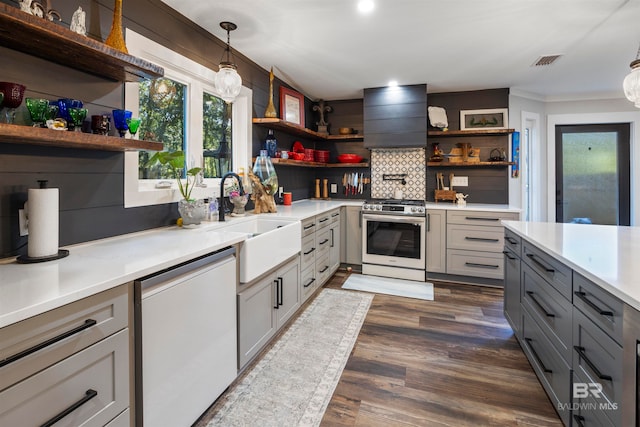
(631, 84)
(228, 82)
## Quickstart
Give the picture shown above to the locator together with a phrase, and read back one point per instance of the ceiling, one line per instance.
(328, 50)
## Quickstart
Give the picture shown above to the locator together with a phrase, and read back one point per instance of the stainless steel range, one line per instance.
(394, 238)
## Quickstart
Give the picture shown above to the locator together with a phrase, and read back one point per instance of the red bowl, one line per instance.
(322, 156)
(297, 156)
(349, 158)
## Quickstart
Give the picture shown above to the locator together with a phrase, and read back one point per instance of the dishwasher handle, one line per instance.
(180, 269)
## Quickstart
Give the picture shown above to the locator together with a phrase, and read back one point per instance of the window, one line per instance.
(182, 111)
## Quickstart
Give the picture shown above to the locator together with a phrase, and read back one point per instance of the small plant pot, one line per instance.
(193, 212)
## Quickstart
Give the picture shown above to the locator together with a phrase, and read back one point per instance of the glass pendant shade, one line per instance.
(631, 84)
(228, 82)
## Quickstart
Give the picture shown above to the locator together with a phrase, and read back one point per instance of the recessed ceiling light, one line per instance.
(365, 6)
(392, 83)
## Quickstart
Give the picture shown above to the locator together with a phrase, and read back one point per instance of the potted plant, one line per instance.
(192, 211)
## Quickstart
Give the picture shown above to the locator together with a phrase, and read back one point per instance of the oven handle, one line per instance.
(392, 218)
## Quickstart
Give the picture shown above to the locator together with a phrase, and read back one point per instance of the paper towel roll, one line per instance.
(43, 222)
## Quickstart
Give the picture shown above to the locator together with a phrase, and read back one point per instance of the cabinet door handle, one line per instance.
(583, 297)
(511, 240)
(508, 255)
(310, 282)
(580, 351)
(88, 395)
(578, 419)
(281, 293)
(428, 223)
(533, 258)
(546, 313)
(333, 243)
(324, 219)
(87, 324)
(326, 267)
(324, 241)
(473, 264)
(481, 239)
(475, 218)
(535, 354)
(333, 215)
(309, 226)
(309, 251)
(277, 306)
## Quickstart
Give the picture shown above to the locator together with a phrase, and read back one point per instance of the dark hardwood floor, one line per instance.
(449, 362)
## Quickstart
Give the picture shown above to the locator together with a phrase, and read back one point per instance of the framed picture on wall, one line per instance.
(484, 119)
(291, 106)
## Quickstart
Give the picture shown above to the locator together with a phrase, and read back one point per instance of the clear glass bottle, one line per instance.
(263, 169)
(271, 144)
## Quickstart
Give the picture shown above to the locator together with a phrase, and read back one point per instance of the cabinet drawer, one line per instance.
(122, 420)
(323, 270)
(102, 368)
(67, 330)
(552, 371)
(308, 282)
(591, 411)
(550, 309)
(597, 357)
(477, 264)
(308, 251)
(323, 242)
(308, 226)
(513, 242)
(479, 217)
(553, 271)
(600, 306)
(335, 216)
(475, 238)
(322, 221)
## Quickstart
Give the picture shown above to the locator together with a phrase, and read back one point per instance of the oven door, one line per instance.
(394, 241)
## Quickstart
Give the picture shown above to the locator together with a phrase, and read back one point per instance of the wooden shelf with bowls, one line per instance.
(45, 39)
(297, 130)
(468, 164)
(27, 135)
(474, 132)
(303, 163)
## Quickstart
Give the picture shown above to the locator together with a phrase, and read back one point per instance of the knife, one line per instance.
(355, 183)
(344, 183)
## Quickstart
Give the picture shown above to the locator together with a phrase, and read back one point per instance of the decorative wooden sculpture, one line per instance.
(271, 109)
(264, 202)
(116, 37)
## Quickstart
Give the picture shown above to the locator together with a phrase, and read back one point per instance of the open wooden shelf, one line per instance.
(302, 163)
(40, 37)
(474, 132)
(27, 135)
(468, 164)
(297, 130)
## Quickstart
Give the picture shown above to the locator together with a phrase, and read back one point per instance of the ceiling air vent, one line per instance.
(546, 60)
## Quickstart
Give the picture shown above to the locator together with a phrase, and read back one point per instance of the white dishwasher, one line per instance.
(185, 339)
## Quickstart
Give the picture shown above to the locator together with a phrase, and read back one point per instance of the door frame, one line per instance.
(633, 118)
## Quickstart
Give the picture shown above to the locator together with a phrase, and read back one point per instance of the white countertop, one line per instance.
(605, 254)
(27, 290)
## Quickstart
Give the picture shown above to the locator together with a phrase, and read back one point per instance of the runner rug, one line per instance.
(293, 383)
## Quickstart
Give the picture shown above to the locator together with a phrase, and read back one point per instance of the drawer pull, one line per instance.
(333, 215)
(324, 241)
(310, 282)
(533, 351)
(88, 395)
(323, 220)
(475, 218)
(540, 264)
(309, 251)
(309, 226)
(481, 239)
(578, 419)
(546, 313)
(87, 324)
(508, 255)
(595, 370)
(583, 297)
(473, 264)
(511, 240)
(326, 267)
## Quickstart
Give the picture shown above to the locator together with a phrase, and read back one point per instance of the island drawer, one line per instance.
(597, 357)
(475, 238)
(308, 282)
(466, 217)
(322, 221)
(550, 310)
(552, 270)
(308, 251)
(29, 346)
(335, 216)
(513, 242)
(600, 306)
(591, 411)
(308, 226)
(323, 270)
(478, 264)
(95, 379)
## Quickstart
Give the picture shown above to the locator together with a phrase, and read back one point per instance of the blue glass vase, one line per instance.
(271, 144)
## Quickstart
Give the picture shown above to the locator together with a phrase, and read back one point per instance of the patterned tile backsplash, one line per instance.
(395, 161)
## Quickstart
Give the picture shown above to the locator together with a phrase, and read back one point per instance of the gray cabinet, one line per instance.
(351, 237)
(512, 271)
(334, 235)
(436, 241)
(76, 354)
(264, 306)
(395, 116)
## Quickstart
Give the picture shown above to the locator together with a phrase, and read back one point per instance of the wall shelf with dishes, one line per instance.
(302, 163)
(297, 130)
(27, 135)
(468, 164)
(39, 37)
(474, 132)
